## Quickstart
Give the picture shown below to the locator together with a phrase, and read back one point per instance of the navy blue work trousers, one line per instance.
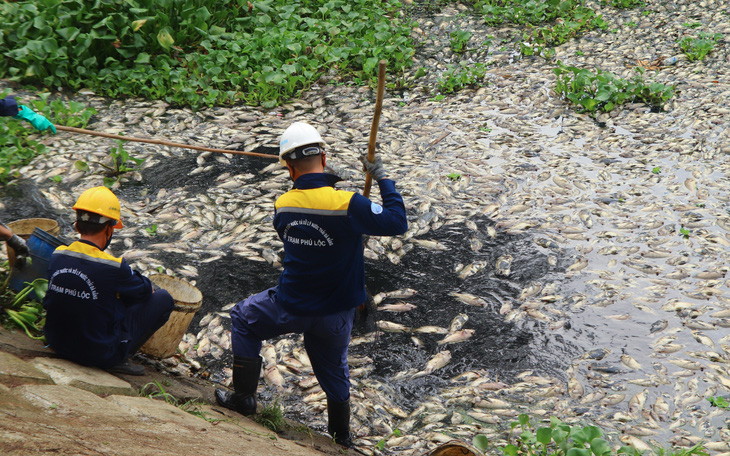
(142, 320)
(326, 338)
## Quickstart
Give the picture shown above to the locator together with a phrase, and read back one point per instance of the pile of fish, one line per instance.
(622, 219)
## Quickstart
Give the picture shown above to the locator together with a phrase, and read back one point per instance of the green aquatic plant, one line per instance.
(719, 401)
(623, 4)
(198, 53)
(464, 75)
(698, 48)
(156, 390)
(459, 40)
(561, 439)
(121, 163)
(548, 23)
(603, 91)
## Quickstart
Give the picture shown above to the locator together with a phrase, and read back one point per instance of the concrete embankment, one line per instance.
(51, 406)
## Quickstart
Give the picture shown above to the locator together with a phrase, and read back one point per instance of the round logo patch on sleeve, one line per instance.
(376, 208)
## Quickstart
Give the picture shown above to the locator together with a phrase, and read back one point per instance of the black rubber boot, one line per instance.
(338, 422)
(246, 373)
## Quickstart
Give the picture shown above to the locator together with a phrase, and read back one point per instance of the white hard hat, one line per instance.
(298, 134)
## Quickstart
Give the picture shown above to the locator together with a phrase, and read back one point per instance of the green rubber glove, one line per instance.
(38, 121)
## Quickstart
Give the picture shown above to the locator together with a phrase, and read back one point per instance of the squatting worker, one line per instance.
(99, 311)
(323, 281)
(9, 108)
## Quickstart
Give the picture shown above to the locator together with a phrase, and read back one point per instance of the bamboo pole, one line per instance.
(163, 142)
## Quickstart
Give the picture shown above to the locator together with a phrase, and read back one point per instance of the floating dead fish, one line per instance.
(503, 265)
(472, 269)
(456, 337)
(438, 361)
(469, 299)
(397, 307)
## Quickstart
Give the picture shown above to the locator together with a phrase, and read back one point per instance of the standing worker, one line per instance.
(323, 279)
(99, 311)
(9, 108)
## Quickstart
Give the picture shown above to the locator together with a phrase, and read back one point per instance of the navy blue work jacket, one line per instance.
(322, 229)
(88, 292)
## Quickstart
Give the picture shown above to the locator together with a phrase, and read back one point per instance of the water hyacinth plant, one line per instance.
(549, 23)
(698, 48)
(603, 91)
(195, 52)
(561, 439)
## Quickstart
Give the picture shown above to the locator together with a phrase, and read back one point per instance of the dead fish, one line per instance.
(390, 326)
(397, 307)
(428, 244)
(630, 362)
(456, 337)
(404, 293)
(471, 269)
(469, 299)
(503, 265)
(575, 388)
(458, 322)
(431, 330)
(438, 361)
(658, 326)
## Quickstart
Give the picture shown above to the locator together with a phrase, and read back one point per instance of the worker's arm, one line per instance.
(133, 287)
(388, 219)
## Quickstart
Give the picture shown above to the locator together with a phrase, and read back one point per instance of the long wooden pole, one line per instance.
(363, 308)
(163, 142)
(376, 122)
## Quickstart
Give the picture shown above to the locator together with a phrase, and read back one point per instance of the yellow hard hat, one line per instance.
(100, 200)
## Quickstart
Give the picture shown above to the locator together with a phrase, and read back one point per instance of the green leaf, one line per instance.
(480, 442)
(589, 103)
(81, 165)
(40, 287)
(511, 450)
(523, 419)
(600, 447)
(165, 39)
(136, 25)
(578, 452)
(109, 182)
(544, 435)
(559, 435)
(142, 57)
(592, 432)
